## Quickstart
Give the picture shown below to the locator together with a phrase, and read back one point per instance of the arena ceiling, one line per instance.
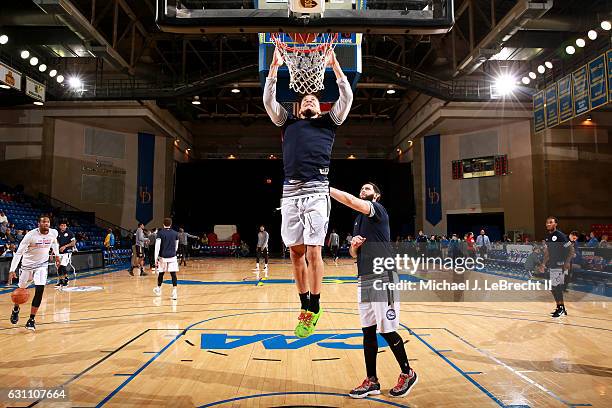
(118, 51)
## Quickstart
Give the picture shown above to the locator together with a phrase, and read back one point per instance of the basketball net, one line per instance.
(306, 62)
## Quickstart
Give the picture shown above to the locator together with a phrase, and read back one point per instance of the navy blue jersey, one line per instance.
(169, 238)
(307, 147)
(558, 245)
(64, 238)
(374, 227)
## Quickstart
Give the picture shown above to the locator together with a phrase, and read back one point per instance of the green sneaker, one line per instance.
(308, 322)
(300, 329)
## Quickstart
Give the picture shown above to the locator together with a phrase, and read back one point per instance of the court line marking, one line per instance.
(459, 370)
(565, 324)
(119, 267)
(216, 352)
(274, 394)
(94, 365)
(522, 376)
(157, 354)
(49, 282)
(146, 364)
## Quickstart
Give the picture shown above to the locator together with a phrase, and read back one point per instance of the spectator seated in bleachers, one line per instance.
(593, 241)
(8, 251)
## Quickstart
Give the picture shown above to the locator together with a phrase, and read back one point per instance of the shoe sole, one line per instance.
(407, 391)
(361, 396)
(31, 328)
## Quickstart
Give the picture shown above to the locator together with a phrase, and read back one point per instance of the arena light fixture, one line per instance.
(59, 79)
(52, 73)
(589, 118)
(592, 34)
(526, 80)
(390, 91)
(33, 61)
(351, 157)
(75, 82)
(580, 42)
(235, 90)
(3, 39)
(196, 100)
(532, 75)
(541, 69)
(231, 157)
(548, 64)
(505, 84)
(38, 103)
(570, 49)
(272, 157)
(25, 54)
(606, 25)
(42, 68)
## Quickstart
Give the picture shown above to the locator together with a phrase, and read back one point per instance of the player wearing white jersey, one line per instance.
(33, 253)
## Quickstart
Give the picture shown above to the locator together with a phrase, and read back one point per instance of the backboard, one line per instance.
(255, 16)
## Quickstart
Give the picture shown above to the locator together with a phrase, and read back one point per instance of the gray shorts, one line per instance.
(557, 276)
(305, 220)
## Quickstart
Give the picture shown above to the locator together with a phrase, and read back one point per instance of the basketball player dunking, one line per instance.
(33, 253)
(307, 142)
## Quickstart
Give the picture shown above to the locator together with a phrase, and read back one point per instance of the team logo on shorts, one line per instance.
(391, 314)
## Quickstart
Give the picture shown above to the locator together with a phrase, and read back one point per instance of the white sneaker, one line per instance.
(256, 268)
(174, 294)
(157, 291)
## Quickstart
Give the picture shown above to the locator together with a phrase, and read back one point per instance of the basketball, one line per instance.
(303, 38)
(20, 296)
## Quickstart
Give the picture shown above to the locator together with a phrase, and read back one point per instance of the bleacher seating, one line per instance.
(602, 229)
(593, 267)
(25, 217)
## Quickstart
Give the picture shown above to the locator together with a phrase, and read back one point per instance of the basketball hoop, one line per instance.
(306, 60)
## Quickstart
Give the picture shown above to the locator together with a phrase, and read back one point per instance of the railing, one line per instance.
(100, 222)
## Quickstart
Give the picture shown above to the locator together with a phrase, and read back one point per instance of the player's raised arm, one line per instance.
(275, 110)
(357, 204)
(342, 106)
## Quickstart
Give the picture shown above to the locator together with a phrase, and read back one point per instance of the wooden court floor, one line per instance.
(227, 342)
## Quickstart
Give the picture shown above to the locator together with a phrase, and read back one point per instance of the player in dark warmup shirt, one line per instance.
(558, 254)
(67, 242)
(307, 141)
(379, 313)
(166, 246)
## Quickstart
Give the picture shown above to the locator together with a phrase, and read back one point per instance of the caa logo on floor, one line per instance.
(278, 341)
(82, 289)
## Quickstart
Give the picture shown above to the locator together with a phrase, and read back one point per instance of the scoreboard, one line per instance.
(480, 167)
